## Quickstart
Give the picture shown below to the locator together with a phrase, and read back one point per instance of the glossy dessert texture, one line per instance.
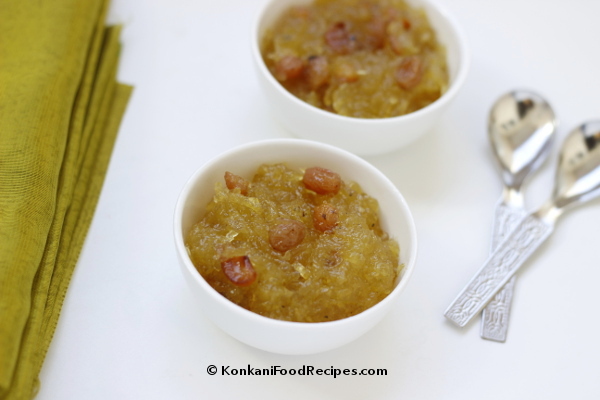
(295, 245)
(358, 58)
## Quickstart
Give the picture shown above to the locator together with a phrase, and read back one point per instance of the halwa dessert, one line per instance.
(358, 58)
(295, 245)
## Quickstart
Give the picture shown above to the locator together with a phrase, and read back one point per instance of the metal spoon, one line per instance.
(577, 181)
(521, 130)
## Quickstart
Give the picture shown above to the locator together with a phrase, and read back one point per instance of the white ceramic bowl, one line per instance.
(360, 136)
(282, 336)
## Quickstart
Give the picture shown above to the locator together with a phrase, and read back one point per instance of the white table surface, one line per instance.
(129, 327)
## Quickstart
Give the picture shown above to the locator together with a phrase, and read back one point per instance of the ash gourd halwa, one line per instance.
(358, 58)
(292, 245)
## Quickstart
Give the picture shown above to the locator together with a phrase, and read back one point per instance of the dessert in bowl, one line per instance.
(269, 333)
(369, 77)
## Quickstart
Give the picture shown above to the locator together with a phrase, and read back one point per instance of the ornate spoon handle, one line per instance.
(510, 254)
(495, 317)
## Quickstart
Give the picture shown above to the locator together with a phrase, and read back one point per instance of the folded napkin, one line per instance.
(60, 109)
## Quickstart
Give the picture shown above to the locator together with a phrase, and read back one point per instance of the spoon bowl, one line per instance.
(578, 172)
(520, 129)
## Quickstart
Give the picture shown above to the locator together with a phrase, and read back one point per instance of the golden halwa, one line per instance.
(358, 58)
(298, 245)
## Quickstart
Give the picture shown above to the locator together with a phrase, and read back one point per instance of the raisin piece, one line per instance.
(288, 67)
(409, 72)
(234, 181)
(239, 270)
(286, 235)
(406, 24)
(325, 217)
(376, 32)
(322, 180)
(339, 39)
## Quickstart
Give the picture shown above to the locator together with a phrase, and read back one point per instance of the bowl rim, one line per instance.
(456, 84)
(409, 264)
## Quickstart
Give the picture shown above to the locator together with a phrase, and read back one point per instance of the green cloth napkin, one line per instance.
(60, 109)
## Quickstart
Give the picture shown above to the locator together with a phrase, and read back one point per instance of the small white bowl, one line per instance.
(358, 135)
(282, 336)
